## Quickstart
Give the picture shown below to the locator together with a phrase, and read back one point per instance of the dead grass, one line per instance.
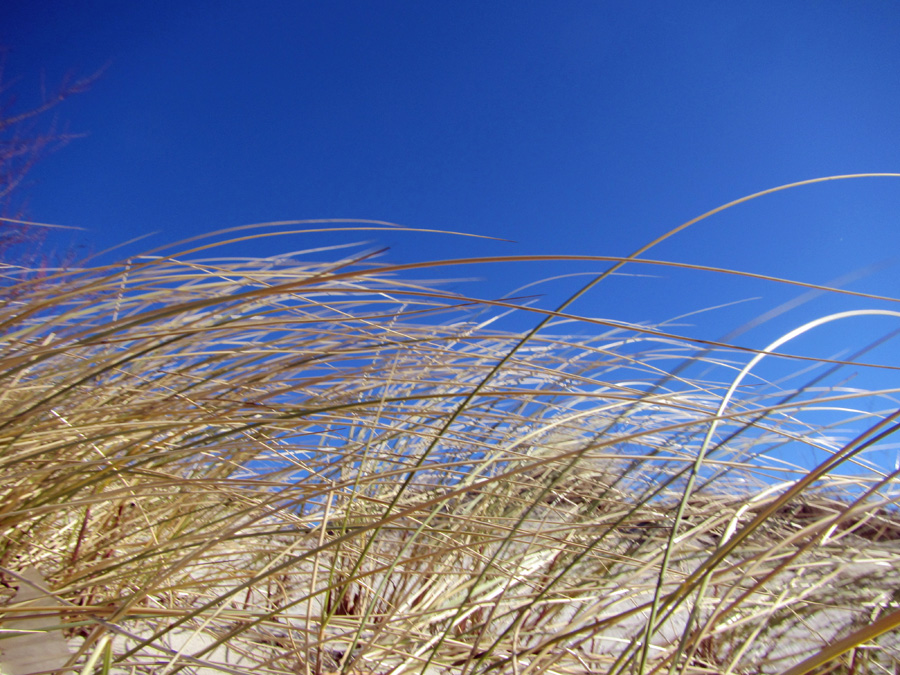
(297, 467)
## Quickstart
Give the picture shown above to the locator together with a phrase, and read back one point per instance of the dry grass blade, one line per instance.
(864, 635)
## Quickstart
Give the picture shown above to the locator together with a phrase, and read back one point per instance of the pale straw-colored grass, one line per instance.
(285, 466)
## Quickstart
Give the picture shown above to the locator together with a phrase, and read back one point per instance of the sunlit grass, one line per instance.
(284, 466)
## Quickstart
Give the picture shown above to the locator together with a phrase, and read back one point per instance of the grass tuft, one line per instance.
(283, 466)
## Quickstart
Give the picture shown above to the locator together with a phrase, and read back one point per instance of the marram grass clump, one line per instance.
(278, 466)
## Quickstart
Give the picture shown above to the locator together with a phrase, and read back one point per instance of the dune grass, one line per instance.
(284, 466)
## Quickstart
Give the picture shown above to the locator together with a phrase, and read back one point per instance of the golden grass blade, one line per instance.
(880, 626)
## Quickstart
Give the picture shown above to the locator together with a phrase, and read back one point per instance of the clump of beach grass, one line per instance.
(288, 466)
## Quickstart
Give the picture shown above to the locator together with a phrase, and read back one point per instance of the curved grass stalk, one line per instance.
(701, 456)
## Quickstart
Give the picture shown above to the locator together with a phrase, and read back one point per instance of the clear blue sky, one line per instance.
(569, 127)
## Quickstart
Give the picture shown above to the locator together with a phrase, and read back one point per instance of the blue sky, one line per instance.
(568, 127)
